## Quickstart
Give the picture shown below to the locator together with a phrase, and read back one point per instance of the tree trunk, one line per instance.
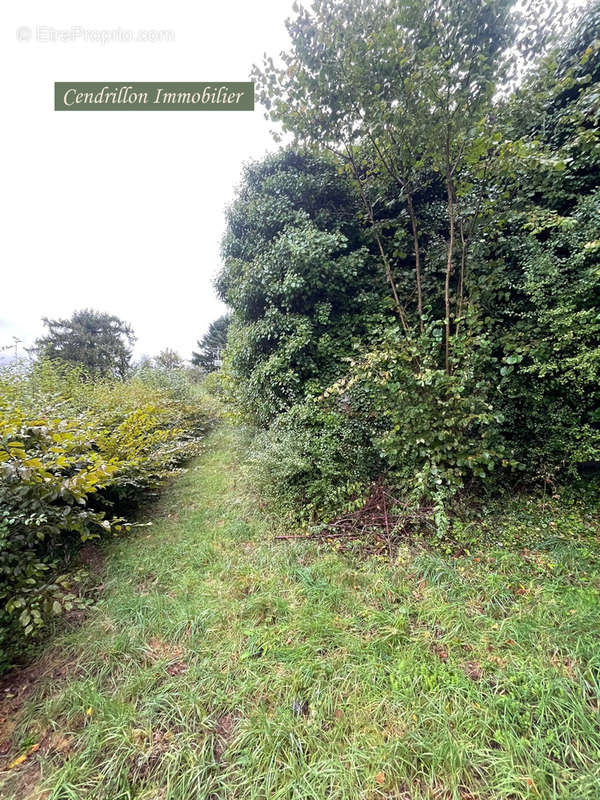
(461, 279)
(386, 263)
(415, 232)
(449, 266)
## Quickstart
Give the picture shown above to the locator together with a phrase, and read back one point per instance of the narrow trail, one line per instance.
(218, 663)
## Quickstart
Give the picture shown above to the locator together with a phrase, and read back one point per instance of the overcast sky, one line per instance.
(123, 211)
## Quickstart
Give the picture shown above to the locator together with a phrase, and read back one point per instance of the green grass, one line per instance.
(218, 663)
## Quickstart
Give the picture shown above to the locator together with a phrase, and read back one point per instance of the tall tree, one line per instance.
(401, 91)
(212, 345)
(99, 342)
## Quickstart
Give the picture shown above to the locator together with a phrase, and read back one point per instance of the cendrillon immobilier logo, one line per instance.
(214, 96)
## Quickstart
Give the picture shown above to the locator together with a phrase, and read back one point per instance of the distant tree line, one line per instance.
(101, 344)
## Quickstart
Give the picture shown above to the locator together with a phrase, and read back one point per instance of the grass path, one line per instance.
(219, 664)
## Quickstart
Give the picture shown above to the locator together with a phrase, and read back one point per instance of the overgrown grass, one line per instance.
(220, 664)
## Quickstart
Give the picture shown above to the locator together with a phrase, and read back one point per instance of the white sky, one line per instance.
(123, 211)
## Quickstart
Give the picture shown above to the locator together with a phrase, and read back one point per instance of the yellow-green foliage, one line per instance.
(72, 452)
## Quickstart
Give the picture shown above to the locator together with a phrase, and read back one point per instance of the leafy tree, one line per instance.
(303, 287)
(98, 342)
(398, 91)
(169, 360)
(212, 344)
(401, 92)
(538, 282)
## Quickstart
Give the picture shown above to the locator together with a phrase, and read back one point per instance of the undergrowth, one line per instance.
(219, 663)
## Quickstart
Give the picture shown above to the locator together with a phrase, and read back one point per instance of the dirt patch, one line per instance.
(18, 685)
(147, 584)
(159, 650)
(59, 743)
(178, 668)
(23, 783)
(223, 732)
(153, 750)
(440, 651)
(92, 558)
(566, 666)
(472, 670)
(16, 688)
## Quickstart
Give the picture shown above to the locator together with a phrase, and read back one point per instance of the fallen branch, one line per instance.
(382, 518)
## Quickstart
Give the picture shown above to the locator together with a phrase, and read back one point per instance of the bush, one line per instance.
(314, 460)
(73, 454)
(550, 379)
(396, 416)
(435, 431)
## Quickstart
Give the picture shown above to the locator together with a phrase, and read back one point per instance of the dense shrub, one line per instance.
(74, 454)
(538, 277)
(428, 433)
(314, 459)
(549, 340)
(301, 281)
(434, 431)
(482, 198)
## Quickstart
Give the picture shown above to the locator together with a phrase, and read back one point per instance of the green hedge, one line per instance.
(74, 454)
